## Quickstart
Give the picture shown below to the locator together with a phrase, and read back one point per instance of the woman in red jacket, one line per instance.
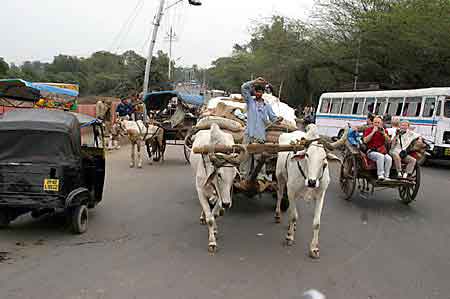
(376, 137)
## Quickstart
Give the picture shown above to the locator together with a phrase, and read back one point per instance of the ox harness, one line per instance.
(300, 167)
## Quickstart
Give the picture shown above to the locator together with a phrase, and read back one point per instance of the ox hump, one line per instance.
(219, 137)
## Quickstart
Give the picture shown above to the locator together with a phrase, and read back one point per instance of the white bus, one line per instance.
(428, 110)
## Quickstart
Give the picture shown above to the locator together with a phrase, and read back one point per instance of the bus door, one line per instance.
(429, 125)
(443, 122)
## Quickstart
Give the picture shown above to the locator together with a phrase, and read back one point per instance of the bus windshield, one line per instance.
(447, 108)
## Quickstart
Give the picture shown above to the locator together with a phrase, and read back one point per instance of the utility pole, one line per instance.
(159, 16)
(171, 37)
(152, 47)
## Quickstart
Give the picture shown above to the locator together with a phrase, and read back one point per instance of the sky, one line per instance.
(41, 29)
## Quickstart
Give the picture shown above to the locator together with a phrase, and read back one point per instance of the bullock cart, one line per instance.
(175, 114)
(358, 172)
(222, 155)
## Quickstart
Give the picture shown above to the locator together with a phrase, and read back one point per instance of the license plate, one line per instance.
(51, 185)
(447, 152)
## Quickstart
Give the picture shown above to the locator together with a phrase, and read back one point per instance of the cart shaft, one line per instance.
(251, 148)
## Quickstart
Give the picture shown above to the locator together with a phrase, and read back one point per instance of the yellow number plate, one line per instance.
(447, 152)
(51, 185)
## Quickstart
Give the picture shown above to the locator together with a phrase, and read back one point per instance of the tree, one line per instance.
(102, 73)
(397, 43)
(4, 67)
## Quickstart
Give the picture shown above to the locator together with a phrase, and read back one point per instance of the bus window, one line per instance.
(347, 106)
(428, 109)
(358, 106)
(369, 106)
(325, 106)
(395, 106)
(381, 105)
(439, 107)
(412, 107)
(336, 106)
(447, 108)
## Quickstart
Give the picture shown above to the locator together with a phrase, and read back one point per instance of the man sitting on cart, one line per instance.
(124, 109)
(404, 137)
(377, 138)
(259, 116)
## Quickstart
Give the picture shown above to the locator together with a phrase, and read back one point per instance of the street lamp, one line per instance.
(153, 42)
(195, 3)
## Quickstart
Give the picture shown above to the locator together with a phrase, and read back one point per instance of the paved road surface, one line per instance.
(145, 241)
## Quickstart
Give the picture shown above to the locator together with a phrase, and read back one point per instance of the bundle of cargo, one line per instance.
(229, 118)
(235, 102)
(224, 110)
(274, 131)
(280, 109)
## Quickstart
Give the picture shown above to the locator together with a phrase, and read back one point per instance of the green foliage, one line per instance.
(4, 67)
(103, 73)
(399, 43)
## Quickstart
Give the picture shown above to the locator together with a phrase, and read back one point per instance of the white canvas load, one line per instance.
(233, 102)
(224, 123)
(281, 109)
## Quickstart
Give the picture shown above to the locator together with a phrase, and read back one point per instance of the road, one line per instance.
(145, 241)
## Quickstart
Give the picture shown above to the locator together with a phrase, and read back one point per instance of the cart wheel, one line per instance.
(79, 219)
(187, 147)
(408, 193)
(153, 150)
(4, 219)
(348, 176)
(284, 204)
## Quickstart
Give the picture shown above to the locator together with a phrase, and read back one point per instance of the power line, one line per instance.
(123, 25)
(126, 26)
(130, 26)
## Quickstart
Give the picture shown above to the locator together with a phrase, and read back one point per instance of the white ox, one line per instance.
(305, 174)
(138, 134)
(213, 182)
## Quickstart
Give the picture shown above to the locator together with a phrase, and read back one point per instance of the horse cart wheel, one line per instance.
(348, 176)
(187, 147)
(409, 192)
(153, 149)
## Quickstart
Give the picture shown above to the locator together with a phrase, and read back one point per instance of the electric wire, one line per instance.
(126, 27)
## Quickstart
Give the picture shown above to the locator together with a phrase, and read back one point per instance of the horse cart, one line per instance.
(174, 113)
(358, 172)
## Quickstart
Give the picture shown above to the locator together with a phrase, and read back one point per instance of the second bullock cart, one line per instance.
(358, 172)
(176, 114)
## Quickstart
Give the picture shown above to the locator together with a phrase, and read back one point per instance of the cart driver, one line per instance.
(259, 116)
(124, 109)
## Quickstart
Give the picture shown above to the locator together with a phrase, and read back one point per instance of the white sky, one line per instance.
(41, 29)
